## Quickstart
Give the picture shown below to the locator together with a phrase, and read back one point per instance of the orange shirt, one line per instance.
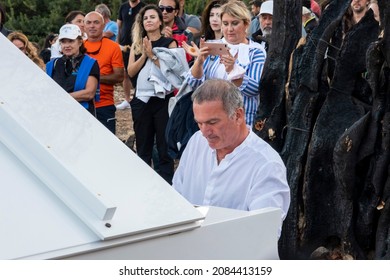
(109, 56)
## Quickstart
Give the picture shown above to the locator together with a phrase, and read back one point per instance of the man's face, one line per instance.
(266, 24)
(220, 130)
(168, 17)
(255, 10)
(94, 25)
(359, 6)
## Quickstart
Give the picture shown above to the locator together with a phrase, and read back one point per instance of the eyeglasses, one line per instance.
(130, 11)
(168, 9)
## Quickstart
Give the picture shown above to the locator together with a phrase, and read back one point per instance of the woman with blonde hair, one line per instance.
(23, 44)
(244, 63)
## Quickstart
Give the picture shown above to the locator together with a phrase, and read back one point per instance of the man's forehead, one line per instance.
(93, 17)
(167, 2)
(208, 108)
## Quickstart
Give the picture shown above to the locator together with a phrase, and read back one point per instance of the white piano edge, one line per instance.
(224, 234)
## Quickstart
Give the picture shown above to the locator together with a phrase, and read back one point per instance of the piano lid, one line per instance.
(62, 173)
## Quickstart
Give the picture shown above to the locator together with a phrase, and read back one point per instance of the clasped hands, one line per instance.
(147, 47)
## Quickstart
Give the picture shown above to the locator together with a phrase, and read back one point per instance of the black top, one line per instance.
(65, 73)
(162, 42)
(45, 54)
(127, 15)
(259, 38)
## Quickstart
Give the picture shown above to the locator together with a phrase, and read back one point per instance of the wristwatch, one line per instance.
(154, 58)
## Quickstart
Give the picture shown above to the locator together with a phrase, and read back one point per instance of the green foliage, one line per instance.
(37, 18)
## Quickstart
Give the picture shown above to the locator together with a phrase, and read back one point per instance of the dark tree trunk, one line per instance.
(382, 244)
(304, 97)
(337, 99)
(345, 157)
(371, 172)
(322, 199)
(286, 31)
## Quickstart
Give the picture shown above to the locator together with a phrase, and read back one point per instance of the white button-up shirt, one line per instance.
(253, 176)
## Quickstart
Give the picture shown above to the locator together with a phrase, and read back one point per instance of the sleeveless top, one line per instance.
(163, 42)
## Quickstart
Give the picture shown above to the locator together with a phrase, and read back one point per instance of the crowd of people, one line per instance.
(159, 51)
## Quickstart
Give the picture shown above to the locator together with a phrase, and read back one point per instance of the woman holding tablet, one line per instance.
(244, 63)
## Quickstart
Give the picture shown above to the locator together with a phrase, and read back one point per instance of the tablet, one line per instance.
(217, 48)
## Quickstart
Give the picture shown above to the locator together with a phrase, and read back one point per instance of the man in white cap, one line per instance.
(265, 18)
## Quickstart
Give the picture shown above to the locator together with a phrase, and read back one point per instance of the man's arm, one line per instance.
(119, 23)
(115, 77)
(112, 29)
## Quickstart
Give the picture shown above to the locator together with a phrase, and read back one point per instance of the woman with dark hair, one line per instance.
(45, 53)
(77, 17)
(149, 107)
(77, 73)
(211, 21)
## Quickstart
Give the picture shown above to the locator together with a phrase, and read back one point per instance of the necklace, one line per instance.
(96, 51)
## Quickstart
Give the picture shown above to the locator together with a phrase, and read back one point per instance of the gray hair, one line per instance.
(104, 10)
(219, 90)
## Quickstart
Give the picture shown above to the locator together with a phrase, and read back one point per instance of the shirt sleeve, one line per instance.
(113, 27)
(178, 177)
(208, 67)
(271, 188)
(254, 70)
(95, 71)
(117, 58)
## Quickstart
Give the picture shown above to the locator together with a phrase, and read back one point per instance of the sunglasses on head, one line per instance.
(168, 9)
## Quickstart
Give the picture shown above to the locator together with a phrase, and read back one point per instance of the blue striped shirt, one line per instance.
(251, 80)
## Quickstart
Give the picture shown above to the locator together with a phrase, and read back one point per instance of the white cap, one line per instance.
(305, 11)
(267, 8)
(69, 31)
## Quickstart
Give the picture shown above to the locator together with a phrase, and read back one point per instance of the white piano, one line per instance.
(69, 189)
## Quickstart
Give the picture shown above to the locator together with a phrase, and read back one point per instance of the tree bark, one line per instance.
(286, 31)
